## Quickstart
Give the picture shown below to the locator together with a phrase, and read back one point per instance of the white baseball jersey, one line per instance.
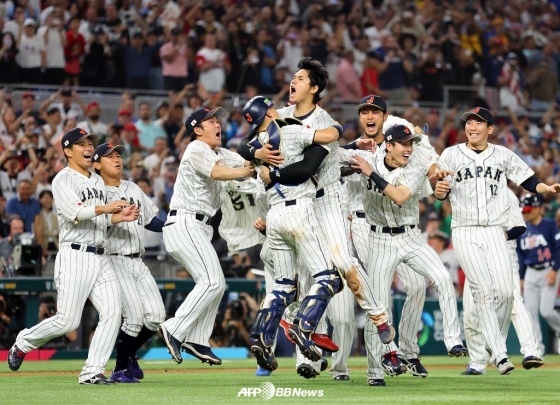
(515, 217)
(194, 190)
(355, 192)
(73, 191)
(329, 171)
(239, 212)
(380, 209)
(479, 192)
(8, 185)
(127, 238)
(295, 138)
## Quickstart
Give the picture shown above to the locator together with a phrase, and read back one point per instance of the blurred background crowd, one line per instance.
(131, 70)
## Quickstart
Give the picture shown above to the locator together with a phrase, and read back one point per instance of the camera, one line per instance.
(237, 310)
(51, 310)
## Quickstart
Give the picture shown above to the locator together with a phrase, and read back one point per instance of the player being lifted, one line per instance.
(142, 306)
(474, 175)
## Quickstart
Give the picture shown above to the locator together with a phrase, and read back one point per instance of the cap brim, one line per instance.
(118, 148)
(218, 112)
(92, 136)
(466, 116)
(413, 137)
(370, 105)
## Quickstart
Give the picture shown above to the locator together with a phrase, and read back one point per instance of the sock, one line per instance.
(125, 343)
(144, 335)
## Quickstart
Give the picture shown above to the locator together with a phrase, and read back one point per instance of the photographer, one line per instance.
(16, 226)
(236, 325)
(47, 309)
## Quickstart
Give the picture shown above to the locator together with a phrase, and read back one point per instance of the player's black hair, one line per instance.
(318, 75)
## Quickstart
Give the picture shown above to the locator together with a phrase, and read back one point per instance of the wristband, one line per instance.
(274, 177)
(339, 129)
(379, 181)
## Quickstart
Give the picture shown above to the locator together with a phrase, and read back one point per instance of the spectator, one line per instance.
(73, 51)
(153, 162)
(31, 53)
(512, 81)
(16, 228)
(89, 24)
(70, 106)
(44, 174)
(290, 49)
(543, 83)
(174, 61)
(130, 141)
(173, 124)
(137, 61)
(13, 26)
(156, 73)
(431, 69)
(95, 70)
(8, 53)
(53, 128)
(213, 65)
(348, 86)
(165, 183)
(92, 122)
(54, 38)
(238, 42)
(24, 205)
(493, 64)
(11, 174)
(46, 224)
(268, 60)
(148, 129)
(208, 25)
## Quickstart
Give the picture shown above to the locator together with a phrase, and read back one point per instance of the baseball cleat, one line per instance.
(323, 341)
(173, 345)
(307, 371)
(98, 379)
(458, 351)
(134, 368)
(505, 366)
(341, 377)
(15, 358)
(530, 362)
(386, 332)
(324, 364)
(286, 326)
(265, 357)
(471, 371)
(123, 377)
(261, 372)
(415, 367)
(376, 382)
(305, 344)
(203, 353)
(392, 364)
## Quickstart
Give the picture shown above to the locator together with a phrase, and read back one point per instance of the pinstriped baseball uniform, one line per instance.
(388, 251)
(332, 211)
(519, 316)
(80, 275)
(239, 212)
(141, 299)
(187, 236)
(481, 205)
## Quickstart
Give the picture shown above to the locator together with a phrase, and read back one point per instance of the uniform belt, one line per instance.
(90, 249)
(360, 214)
(132, 255)
(540, 266)
(393, 231)
(289, 203)
(320, 193)
(199, 217)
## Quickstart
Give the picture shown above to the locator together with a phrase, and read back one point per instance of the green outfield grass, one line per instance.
(56, 382)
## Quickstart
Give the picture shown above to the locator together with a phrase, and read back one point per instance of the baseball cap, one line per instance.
(66, 92)
(400, 133)
(76, 135)
(373, 101)
(28, 94)
(129, 126)
(176, 31)
(199, 115)
(28, 22)
(124, 112)
(481, 113)
(255, 110)
(530, 201)
(104, 149)
(170, 160)
(92, 105)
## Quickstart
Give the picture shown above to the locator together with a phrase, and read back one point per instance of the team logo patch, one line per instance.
(95, 157)
(406, 130)
(475, 110)
(390, 137)
(370, 100)
(66, 143)
(248, 117)
(193, 123)
(83, 131)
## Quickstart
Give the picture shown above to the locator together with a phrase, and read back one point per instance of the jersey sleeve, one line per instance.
(67, 201)
(426, 153)
(149, 209)
(203, 160)
(412, 178)
(515, 216)
(517, 170)
(230, 158)
(298, 134)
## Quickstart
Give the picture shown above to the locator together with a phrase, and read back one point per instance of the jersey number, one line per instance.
(239, 205)
(543, 254)
(494, 189)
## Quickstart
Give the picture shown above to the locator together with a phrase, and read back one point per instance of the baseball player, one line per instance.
(539, 259)
(520, 316)
(292, 231)
(82, 270)
(393, 184)
(142, 306)
(187, 233)
(475, 178)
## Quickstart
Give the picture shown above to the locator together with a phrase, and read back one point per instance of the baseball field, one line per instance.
(165, 383)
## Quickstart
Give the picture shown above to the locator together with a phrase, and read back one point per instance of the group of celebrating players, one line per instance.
(312, 198)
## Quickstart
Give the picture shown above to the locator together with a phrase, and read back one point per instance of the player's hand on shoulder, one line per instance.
(267, 155)
(366, 144)
(441, 174)
(359, 163)
(130, 213)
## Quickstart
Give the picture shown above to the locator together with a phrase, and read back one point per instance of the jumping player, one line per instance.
(187, 233)
(474, 175)
(82, 270)
(142, 306)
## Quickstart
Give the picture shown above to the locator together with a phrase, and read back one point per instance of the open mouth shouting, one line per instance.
(87, 156)
(292, 91)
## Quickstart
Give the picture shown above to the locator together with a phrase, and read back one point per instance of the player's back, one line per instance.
(73, 191)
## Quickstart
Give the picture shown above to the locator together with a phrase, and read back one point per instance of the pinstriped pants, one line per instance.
(78, 276)
(483, 255)
(187, 240)
(141, 300)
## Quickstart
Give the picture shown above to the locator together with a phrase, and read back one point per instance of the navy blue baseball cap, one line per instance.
(373, 101)
(530, 201)
(199, 115)
(481, 113)
(104, 149)
(76, 135)
(400, 133)
(255, 110)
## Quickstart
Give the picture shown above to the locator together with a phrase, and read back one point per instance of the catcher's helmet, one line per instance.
(255, 110)
(530, 201)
